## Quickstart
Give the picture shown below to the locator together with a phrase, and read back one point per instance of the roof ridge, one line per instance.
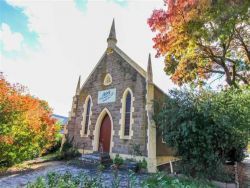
(131, 61)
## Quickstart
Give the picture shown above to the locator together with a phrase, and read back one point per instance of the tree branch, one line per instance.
(242, 78)
(238, 35)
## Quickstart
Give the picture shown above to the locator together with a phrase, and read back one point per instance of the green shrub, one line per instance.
(68, 151)
(100, 167)
(118, 161)
(206, 128)
(161, 180)
(142, 164)
(132, 179)
(57, 142)
(40, 183)
(83, 180)
(66, 180)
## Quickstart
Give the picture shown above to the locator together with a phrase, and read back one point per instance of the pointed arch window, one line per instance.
(127, 110)
(86, 117)
(127, 115)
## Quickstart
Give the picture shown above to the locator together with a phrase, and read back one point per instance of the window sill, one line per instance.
(125, 137)
(84, 135)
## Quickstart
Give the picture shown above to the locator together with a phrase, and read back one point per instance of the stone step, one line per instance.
(96, 158)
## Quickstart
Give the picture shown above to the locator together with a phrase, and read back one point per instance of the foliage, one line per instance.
(142, 164)
(52, 180)
(118, 161)
(51, 156)
(101, 167)
(68, 151)
(206, 128)
(57, 142)
(116, 181)
(161, 180)
(27, 129)
(202, 39)
(131, 179)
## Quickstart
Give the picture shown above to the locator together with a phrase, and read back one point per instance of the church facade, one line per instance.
(112, 111)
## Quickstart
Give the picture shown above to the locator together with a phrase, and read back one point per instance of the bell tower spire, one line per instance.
(149, 70)
(112, 36)
(78, 87)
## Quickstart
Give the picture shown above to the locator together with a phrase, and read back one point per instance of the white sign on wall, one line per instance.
(106, 96)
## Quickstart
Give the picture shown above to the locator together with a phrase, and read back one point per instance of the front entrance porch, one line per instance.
(103, 133)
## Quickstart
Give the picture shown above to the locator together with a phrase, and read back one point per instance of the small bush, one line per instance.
(68, 151)
(118, 161)
(161, 180)
(100, 167)
(83, 180)
(142, 164)
(52, 180)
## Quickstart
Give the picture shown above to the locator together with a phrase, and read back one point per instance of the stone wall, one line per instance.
(123, 76)
(162, 149)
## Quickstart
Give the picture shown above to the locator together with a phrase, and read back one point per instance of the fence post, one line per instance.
(171, 167)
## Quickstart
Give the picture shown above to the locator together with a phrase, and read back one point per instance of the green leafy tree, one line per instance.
(206, 128)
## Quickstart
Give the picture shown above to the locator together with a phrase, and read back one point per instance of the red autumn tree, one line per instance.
(203, 39)
(26, 126)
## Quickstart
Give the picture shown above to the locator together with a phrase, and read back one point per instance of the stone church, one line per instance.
(112, 110)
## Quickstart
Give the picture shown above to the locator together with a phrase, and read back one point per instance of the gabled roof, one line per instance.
(112, 39)
(131, 62)
(137, 67)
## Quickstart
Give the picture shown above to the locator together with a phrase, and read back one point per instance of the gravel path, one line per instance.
(21, 180)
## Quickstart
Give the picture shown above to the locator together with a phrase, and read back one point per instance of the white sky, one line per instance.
(72, 42)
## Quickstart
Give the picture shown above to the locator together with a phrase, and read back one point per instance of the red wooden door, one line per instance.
(105, 135)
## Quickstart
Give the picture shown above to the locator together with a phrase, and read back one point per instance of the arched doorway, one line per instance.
(105, 135)
(104, 119)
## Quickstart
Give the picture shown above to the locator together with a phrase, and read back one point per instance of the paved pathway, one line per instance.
(21, 180)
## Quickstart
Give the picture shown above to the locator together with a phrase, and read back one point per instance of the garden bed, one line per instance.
(108, 177)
